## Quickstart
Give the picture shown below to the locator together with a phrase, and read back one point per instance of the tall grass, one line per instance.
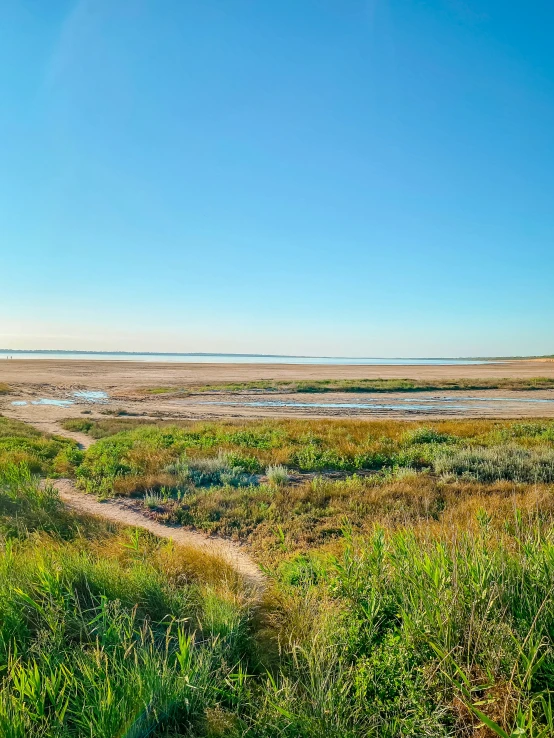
(109, 634)
(403, 603)
(277, 474)
(415, 637)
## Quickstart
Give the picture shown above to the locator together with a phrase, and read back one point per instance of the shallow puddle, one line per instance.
(358, 405)
(88, 396)
(91, 395)
(405, 404)
(50, 401)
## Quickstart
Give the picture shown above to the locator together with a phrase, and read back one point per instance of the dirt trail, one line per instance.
(118, 513)
(55, 429)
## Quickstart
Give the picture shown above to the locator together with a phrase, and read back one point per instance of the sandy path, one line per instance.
(119, 513)
(55, 429)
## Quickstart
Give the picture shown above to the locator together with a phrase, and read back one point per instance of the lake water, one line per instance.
(235, 359)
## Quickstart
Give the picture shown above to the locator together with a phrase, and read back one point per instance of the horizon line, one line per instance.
(261, 355)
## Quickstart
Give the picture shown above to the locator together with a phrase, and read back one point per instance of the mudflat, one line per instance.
(130, 375)
(35, 386)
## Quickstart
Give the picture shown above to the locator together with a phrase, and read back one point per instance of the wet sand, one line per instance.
(30, 380)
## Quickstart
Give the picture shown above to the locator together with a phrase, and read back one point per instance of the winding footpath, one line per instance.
(115, 511)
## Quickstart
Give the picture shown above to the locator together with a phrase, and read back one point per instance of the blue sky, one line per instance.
(338, 177)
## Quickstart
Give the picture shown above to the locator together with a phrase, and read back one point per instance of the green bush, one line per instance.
(424, 434)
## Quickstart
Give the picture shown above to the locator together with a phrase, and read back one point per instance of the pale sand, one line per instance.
(127, 375)
(33, 379)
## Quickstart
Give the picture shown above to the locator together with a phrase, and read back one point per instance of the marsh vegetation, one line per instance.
(361, 385)
(409, 583)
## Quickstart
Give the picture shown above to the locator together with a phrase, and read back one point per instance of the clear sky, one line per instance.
(337, 177)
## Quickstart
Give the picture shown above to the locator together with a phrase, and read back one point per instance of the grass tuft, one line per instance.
(277, 474)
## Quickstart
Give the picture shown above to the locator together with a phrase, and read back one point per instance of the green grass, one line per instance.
(508, 462)
(400, 636)
(133, 456)
(20, 443)
(213, 475)
(410, 602)
(105, 427)
(109, 633)
(362, 385)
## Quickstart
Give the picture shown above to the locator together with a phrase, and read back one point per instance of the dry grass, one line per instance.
(315, 508)
(284, 521)
(350, 431)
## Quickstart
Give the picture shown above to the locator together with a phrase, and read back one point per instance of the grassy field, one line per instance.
(107, 632)
(363, 385)
(21, 443)
(410, 584)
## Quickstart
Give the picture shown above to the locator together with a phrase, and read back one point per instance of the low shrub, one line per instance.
(277, 474)
(509, 462)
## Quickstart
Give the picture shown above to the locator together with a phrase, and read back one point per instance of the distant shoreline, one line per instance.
(205, 354)
(211, 358)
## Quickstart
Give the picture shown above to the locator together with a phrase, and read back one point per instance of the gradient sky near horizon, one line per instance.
(327, 177)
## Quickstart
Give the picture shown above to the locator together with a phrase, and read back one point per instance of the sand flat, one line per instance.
(32, 380)
(130, 375)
